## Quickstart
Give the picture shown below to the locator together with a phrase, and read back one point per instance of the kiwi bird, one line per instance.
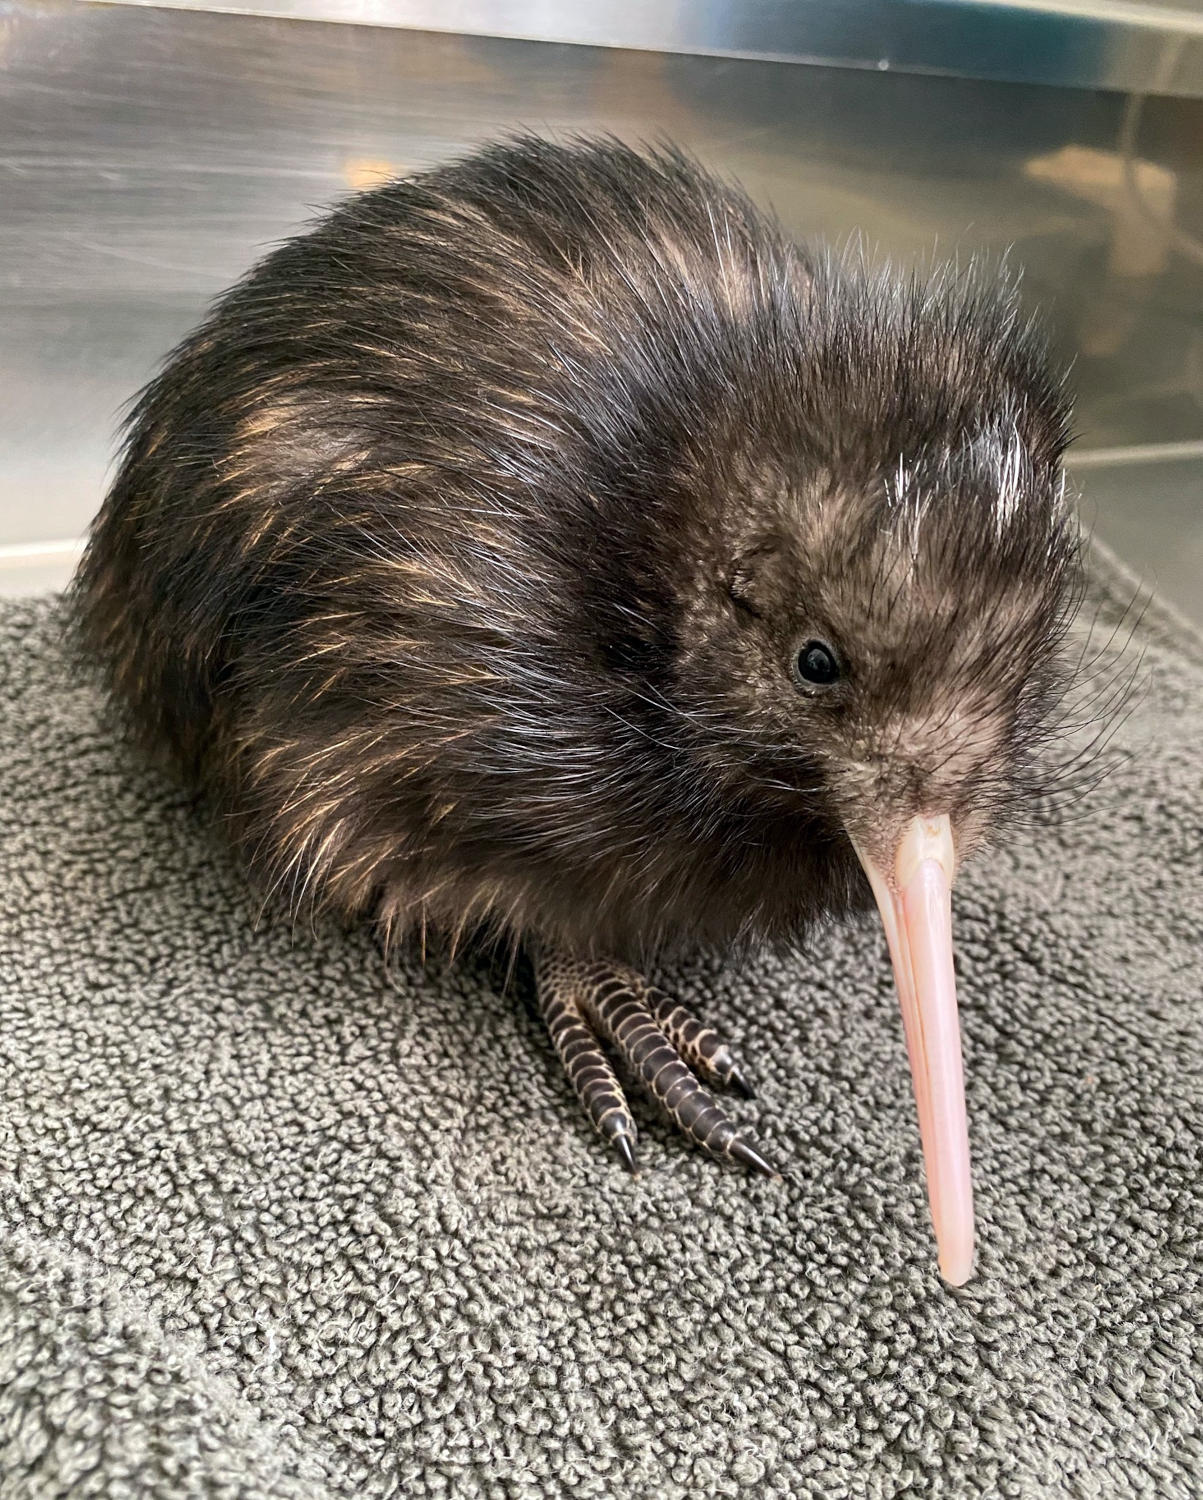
(547, 547)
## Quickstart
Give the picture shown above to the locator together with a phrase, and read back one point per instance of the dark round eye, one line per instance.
(817, 664)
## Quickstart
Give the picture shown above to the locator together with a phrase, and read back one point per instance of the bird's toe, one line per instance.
(658, 1040)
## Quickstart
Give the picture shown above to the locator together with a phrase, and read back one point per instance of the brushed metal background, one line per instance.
(147, 156)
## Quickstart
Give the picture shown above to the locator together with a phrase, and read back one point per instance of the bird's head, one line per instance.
(896, 563)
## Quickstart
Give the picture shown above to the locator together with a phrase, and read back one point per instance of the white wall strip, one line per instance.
(1134, 453)
(36, 552)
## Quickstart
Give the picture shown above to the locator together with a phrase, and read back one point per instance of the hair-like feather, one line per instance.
(464, 552)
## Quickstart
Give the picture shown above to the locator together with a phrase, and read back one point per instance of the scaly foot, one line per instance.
(586, 1001)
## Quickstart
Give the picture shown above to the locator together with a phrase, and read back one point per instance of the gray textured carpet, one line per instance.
(276, 1223)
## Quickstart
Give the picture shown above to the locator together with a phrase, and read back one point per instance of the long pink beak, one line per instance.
(915, 901)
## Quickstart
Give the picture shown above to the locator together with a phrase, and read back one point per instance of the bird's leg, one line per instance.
(583, 1000)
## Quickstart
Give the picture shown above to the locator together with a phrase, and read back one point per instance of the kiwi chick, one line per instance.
(546, 546)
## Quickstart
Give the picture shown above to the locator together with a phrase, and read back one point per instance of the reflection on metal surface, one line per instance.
(1151, 515)
(148, 156)
(1186, 15)
(1064, 42)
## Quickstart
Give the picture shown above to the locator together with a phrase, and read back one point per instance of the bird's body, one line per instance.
(545, 545)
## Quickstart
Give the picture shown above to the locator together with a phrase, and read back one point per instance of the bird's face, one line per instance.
(892, 647)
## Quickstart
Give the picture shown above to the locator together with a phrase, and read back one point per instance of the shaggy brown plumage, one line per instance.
(475, 553)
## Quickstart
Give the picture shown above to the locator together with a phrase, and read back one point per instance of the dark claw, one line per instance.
(739, 1150)
(622, 1144)
(737, 1080)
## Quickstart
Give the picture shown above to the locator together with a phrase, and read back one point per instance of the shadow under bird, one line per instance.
(545, 545)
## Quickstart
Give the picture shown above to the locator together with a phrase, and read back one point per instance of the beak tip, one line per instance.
(956, 1266)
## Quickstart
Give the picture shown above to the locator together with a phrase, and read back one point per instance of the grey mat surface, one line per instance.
(277, 1223)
